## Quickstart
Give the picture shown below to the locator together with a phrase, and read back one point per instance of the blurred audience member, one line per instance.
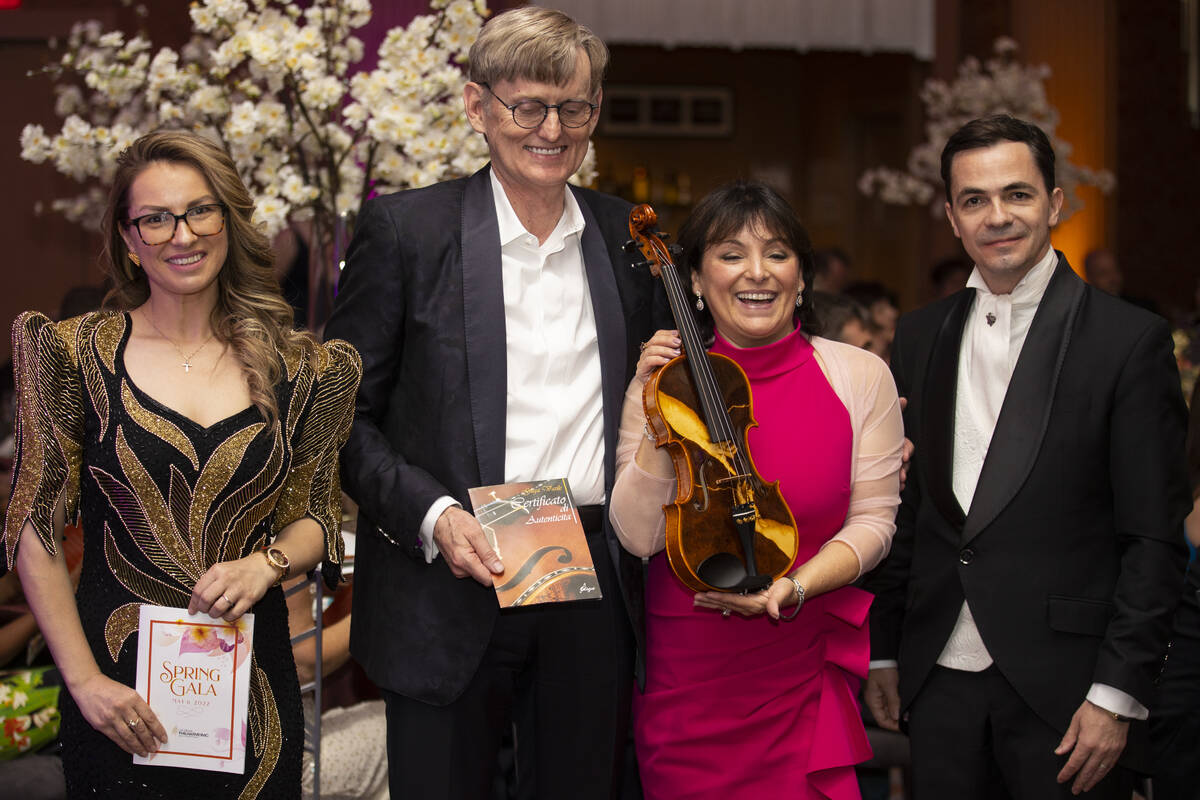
(1175, 719)
(841, 319)
(354, 739)
(1101, 269)
(833, 268)
(949, 276)
(883, 308)
(80, 300)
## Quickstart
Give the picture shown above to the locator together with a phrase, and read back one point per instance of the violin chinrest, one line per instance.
(726, 572)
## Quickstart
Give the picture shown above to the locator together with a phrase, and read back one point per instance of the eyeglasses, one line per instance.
(159, 227)
(531, 113)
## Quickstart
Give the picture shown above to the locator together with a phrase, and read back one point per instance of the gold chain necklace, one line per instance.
(187, 359)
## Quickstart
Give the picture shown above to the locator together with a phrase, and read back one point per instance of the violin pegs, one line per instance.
(675, 250)
(630, 246)
(663, 236)
(640, 264)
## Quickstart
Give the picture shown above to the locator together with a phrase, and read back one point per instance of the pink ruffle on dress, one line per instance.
(748, 707)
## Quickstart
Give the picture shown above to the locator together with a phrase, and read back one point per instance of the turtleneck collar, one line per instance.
(768, 360)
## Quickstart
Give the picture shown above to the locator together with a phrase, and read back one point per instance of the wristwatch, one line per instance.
(277, 559)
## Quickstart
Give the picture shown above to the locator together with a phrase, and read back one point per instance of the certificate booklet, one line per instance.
(535, 529)
(194, 672)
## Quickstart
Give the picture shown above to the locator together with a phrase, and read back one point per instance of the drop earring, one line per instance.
(799, 298)
(699, 302)
(137, 262)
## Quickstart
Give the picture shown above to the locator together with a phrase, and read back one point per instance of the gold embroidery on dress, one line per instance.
(48, 430)
(291, 362)
(230, 525)
(143, 512)
(109, 332)
(265, 730)
(162, 428)
(121, 623)
(90, 356)
(214, 478)
(300, 393)
(136, 581)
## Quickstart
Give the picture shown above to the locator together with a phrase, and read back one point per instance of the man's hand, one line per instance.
(463, 544)
(882, 696)
(1095, 741)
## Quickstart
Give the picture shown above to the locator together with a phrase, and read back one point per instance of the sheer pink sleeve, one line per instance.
(865, 386)
(640, 490)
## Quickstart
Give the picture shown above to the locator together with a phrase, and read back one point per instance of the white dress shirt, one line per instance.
(993, 335)
(554, 423)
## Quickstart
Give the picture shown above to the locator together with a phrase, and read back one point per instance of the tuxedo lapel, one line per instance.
(1028, 401)
(610, 332)
(483, 323)
(937, 423)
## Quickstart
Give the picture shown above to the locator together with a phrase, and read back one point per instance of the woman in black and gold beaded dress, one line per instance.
(197, 436)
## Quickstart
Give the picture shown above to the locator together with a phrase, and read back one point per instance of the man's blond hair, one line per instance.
(535, 44)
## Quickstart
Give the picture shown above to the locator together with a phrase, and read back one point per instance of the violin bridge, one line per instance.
(744, 513)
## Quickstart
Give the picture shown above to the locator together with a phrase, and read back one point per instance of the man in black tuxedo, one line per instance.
(1028, 595)
(499, 322)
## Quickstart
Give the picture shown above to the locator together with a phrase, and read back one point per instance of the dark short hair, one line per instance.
(992, 130)
(721, 214)
(868, 293)
(823, 258)
(943, 270)
(833, 311)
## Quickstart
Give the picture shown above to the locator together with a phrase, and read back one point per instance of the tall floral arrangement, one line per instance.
(1000, 85)
(279, 85)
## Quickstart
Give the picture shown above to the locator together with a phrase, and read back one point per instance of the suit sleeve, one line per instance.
(369, 315)
(889, 581)
(1150, 501)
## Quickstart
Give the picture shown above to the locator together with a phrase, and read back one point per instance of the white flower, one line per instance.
(322, 92)
(271, 212)
(35, 146)
(998, 86)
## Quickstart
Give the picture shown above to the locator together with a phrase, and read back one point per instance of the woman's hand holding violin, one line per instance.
(657, 351)
(780, 595)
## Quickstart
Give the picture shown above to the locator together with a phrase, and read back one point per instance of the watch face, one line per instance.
(278, 558)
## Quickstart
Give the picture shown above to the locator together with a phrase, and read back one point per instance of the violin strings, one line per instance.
(717, 415)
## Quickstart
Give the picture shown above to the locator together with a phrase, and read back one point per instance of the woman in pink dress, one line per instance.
(750, 695)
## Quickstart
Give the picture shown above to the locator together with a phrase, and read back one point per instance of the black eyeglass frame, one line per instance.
(136, 222)
(512, 109)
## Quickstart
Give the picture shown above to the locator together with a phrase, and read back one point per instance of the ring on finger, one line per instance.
(727, 612)
(1103, 765)
(225, 597)
(133, 723)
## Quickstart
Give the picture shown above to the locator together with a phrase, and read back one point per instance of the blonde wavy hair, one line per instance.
(250, 315)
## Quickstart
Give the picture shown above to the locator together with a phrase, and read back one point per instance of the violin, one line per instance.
(728, 529)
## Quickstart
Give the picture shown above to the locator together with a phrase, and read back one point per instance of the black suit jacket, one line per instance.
(1071, 556)
(422, 300)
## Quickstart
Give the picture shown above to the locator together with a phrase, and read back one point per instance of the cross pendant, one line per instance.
(187, 365)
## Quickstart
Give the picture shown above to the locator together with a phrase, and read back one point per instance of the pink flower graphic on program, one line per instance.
(200, 639)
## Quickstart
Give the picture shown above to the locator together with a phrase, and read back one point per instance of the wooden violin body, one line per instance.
(727, 529)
